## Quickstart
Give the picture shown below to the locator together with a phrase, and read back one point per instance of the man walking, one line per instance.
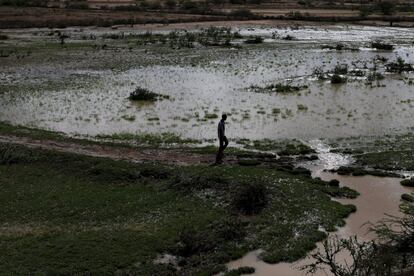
(221, 129)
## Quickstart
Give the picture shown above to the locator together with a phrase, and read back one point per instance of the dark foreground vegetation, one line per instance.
(71, 214)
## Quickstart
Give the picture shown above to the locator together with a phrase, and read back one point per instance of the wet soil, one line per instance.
(117, 153)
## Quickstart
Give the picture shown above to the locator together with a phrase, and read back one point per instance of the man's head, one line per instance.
(224, 117)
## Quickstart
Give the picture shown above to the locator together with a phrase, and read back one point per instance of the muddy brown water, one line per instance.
(378, 197)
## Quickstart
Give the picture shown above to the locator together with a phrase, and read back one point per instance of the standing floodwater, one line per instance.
(275, 89)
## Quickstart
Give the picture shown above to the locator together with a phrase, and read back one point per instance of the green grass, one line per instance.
(389, 152)
(69, 214)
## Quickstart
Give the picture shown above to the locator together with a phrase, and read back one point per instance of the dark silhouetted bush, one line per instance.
(336, 79)
(143, 94)
(251, 198)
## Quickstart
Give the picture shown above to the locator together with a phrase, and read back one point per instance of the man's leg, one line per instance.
(219, 156)
(226, 143)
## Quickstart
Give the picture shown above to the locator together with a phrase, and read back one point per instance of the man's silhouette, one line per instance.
(221, 130)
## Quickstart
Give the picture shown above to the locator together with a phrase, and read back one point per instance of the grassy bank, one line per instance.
(393, 152)
(64, 213)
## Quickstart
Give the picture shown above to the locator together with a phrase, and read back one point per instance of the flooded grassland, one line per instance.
(341, 96)
(276, 87)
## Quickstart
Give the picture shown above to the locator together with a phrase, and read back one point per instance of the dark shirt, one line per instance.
(221, 129)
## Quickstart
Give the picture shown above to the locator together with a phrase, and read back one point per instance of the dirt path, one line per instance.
(169, 156)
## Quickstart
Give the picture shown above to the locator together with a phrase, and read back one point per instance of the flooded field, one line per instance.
(81, 87)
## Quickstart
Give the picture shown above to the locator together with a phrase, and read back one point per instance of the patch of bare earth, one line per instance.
(137, 155)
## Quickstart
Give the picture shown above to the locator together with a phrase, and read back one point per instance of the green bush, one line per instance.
(408, 182)
(336, 79)
(407, 197)
(143, 94)
(251, 198)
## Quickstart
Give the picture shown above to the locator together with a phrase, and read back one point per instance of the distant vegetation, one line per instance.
(143, 94)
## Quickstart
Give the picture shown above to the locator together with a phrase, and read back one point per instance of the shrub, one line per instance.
(4, 37)
(143, 94)
(334, 183)
(251, 198)
(336, 79)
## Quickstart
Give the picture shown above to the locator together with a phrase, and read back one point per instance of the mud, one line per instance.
(117, 153)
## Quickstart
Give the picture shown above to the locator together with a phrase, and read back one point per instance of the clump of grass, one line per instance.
(302, 107)
(240, 271)
(407, 197)
(382, 46)
(279, 88)
(296, 149)
(211, 116)
(276, 111)
(399, 66)
(251, 198)
(408, 182)
(143, 94)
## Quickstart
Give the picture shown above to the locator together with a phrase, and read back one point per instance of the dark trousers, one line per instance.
(223, 145)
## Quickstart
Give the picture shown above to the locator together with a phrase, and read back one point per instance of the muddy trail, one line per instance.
(137, 155)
